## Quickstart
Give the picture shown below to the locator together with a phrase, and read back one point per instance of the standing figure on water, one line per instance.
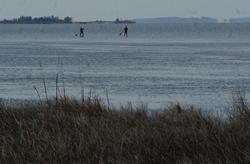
(81, 32)
(126, 31)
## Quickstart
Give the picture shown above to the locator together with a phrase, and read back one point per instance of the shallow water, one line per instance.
(193, 64)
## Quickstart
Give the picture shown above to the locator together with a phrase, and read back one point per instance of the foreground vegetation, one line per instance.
(63, 130)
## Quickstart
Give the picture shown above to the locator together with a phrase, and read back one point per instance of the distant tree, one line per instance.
(57, 19)
(25, 19)
(47, 19)
(41, 20)
(6, 21)
(28, 19)
(35, 19)
(21, 19)
(117, 20)
(68, 19)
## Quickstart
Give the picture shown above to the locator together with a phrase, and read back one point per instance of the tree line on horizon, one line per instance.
(53, 20)
(41, 20)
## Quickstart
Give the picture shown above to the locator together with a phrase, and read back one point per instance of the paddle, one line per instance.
(121, 32)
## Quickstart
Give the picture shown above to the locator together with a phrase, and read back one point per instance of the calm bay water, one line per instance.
(193, 64)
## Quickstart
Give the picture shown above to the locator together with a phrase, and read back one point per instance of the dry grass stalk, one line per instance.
(63, 130)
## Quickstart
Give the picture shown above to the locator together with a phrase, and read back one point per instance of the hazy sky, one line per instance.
(91, 10)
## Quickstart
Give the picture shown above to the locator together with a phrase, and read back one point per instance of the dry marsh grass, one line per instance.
(63, 130)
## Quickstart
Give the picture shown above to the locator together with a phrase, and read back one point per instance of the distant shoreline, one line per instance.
(94, 22)
(69, 20)
(57, 20)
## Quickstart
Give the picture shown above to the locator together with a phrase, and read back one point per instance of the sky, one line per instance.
(109, 10)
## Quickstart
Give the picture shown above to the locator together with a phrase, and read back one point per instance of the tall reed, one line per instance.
(67, 130)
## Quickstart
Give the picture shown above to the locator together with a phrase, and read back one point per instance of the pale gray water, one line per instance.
(194, 64)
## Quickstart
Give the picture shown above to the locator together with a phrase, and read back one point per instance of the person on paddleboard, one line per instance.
(81, 32)
(126, 31)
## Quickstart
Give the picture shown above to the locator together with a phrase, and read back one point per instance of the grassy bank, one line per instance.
(63, 130)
